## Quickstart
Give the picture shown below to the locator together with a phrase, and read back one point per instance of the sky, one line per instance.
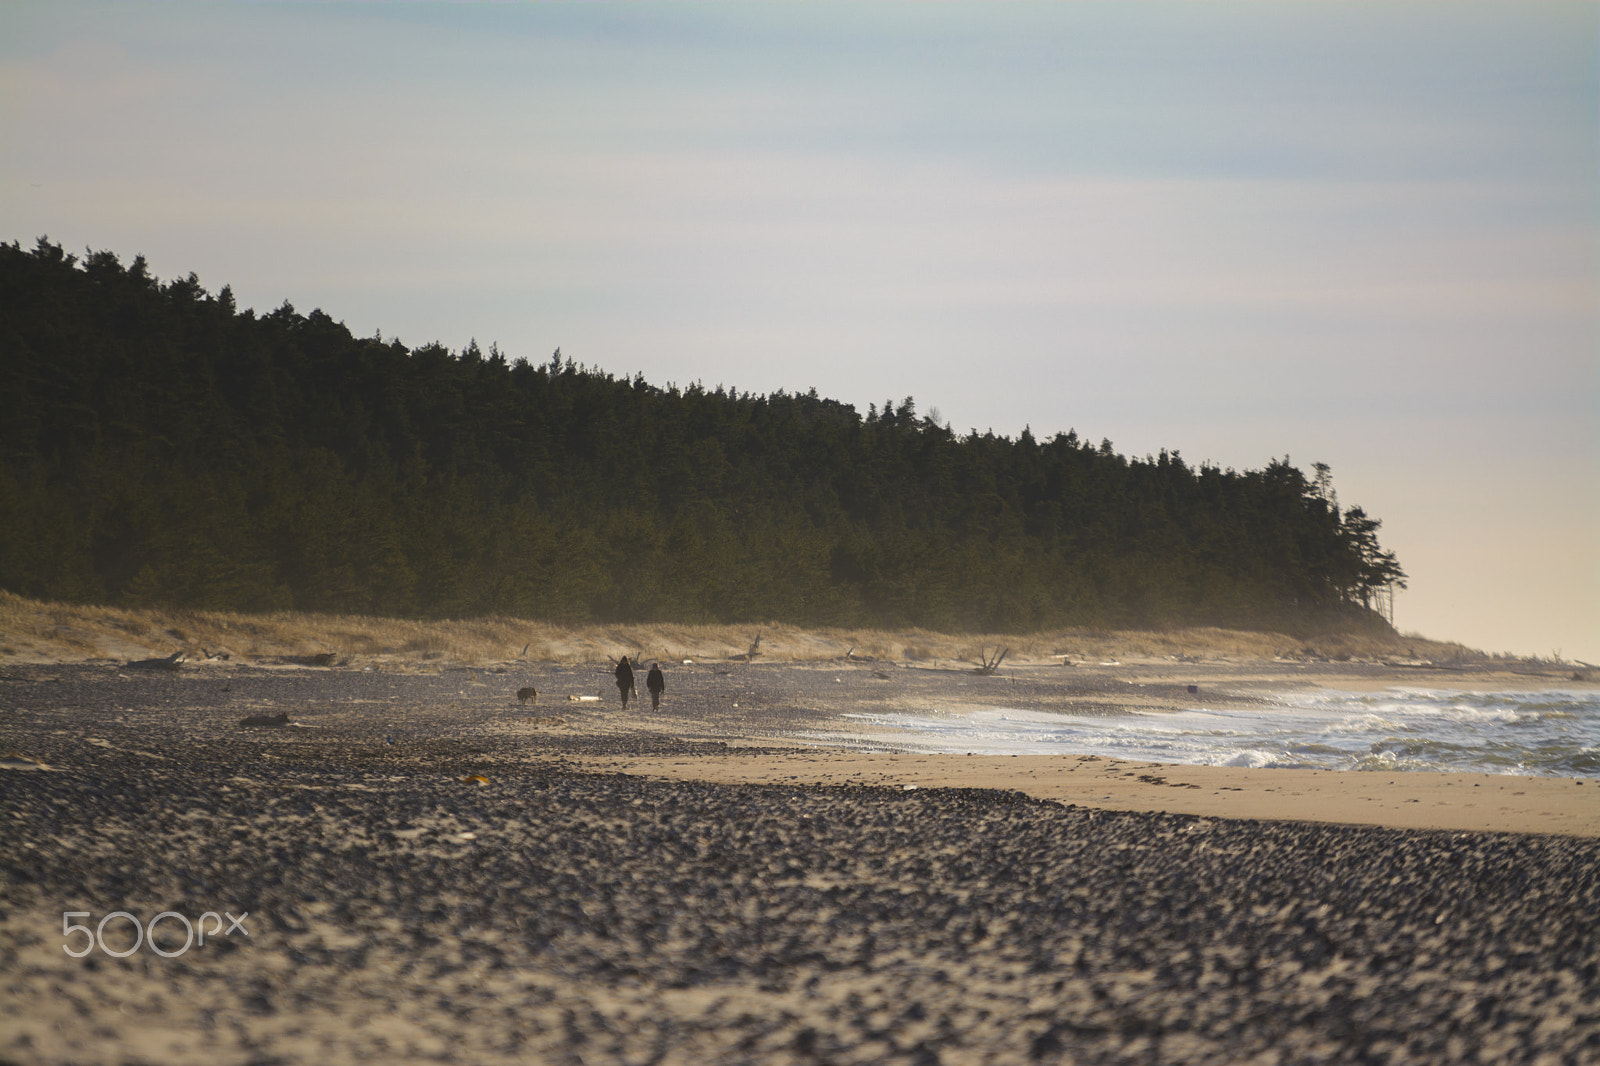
(1353, 233)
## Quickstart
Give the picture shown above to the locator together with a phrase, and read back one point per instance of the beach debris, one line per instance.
(584, 699)
(880, 675)
(468, 836)
(752, 651)
(169, 663)
(266, 721)
(1194, 690)
(474, 779)
(13, 760)
(528, 693)
(990, 665)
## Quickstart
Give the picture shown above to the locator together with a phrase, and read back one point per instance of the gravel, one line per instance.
(400, 910)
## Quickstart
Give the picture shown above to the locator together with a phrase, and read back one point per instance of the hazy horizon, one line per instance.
(1356, 234)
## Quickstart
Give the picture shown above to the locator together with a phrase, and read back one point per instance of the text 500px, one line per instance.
(193, 931)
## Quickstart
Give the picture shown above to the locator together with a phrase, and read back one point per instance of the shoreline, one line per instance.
(1497, 803)
(718, 712)
(1390, 798)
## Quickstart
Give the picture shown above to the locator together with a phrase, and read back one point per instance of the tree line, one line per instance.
(160, 446)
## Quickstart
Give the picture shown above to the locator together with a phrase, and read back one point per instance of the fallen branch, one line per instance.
(755, 649)
(990, 665)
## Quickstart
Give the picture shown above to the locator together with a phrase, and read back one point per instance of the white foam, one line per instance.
(1552, 732)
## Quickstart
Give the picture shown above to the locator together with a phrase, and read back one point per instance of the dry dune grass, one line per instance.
(40, 631)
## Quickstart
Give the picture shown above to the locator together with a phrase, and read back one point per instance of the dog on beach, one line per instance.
(529, 693)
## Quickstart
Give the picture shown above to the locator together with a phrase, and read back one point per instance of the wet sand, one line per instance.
(622, 888)
(1478, 802)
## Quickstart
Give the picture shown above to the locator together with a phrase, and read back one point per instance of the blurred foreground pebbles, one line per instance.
(460, 895)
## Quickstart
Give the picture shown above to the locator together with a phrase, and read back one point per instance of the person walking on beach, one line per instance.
(656, 682)
(625, 684)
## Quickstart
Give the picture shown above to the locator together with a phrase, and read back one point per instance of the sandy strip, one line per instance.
(1411, 800)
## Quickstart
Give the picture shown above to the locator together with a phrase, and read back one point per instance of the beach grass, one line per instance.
(35, 630)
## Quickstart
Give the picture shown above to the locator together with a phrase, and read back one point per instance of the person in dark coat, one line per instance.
(656, 682)
(625, 684)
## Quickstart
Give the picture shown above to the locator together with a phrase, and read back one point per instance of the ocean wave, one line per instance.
(1555, 733)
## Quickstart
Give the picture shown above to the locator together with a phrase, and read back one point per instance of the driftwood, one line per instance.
(169, 663)
(990, 665)
(268, 721)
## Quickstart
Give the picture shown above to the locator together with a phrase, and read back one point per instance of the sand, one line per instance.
(1481, 802)
(435, 871)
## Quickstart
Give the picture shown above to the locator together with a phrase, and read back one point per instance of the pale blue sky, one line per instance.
(1366, 234)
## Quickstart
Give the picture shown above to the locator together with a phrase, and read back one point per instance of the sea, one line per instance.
(1546, 733)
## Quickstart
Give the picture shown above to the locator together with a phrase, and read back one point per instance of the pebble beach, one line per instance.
(431, 870)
